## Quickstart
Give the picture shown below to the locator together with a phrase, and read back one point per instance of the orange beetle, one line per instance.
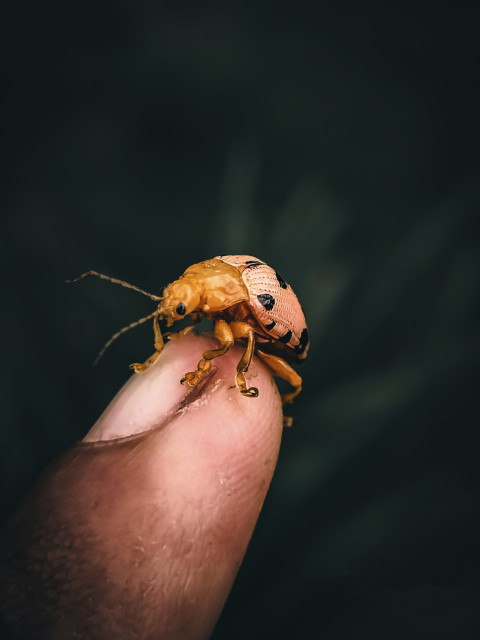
(248, 301)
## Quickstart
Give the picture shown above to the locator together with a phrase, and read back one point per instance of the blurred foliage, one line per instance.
(338, 142)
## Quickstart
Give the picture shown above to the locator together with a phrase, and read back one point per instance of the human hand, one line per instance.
(138, 531)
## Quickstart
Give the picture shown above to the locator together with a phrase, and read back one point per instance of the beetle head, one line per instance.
(179, 299)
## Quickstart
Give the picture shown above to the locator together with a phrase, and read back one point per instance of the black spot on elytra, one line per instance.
(300, 348)
(286, 337)
(270, 326)
(253, 263)
(281, 281)
(266, 300)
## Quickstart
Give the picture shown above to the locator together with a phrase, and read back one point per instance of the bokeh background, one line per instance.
(339, 143)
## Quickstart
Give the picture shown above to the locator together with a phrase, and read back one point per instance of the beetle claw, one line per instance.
(191, 378)
(252, 392)
(138, 367)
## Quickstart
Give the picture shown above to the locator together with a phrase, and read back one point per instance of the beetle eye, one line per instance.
(181, 309)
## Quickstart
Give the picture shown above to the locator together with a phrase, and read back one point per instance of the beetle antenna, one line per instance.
(115, 281)
(119, 333)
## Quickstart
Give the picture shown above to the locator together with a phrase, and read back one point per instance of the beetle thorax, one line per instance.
(207, 287)
(222, 285)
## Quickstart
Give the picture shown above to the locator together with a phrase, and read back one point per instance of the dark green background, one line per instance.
(340, 144)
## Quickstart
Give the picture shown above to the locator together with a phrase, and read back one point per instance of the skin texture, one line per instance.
(139, 530)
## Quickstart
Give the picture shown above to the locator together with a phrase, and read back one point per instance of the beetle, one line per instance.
(247, 301)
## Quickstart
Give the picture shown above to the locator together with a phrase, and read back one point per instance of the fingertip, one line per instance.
(208, 451)
(150, 399)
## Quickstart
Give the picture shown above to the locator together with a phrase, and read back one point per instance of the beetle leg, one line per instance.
(283, 370)
(224, 335)
(139, 368)
(244, 330)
